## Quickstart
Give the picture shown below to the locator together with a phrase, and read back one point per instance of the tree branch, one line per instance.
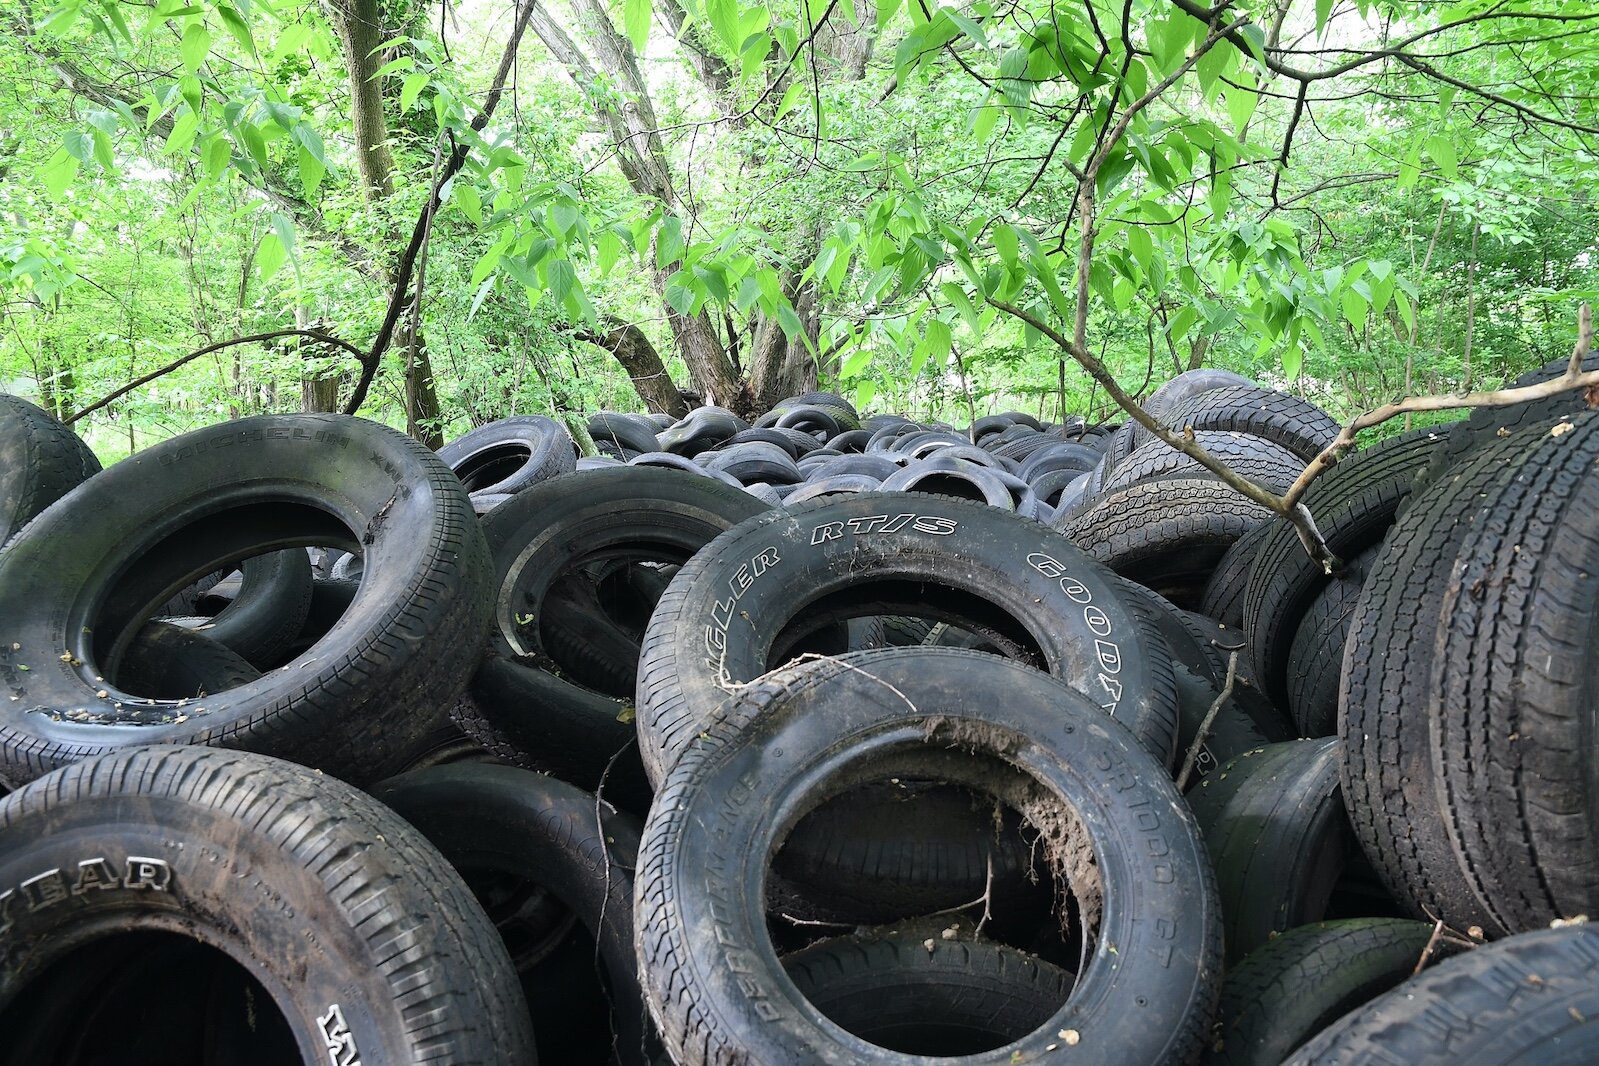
(314, 334)
(419, 233)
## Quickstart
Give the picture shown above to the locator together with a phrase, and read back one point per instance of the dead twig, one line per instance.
(1209, 721)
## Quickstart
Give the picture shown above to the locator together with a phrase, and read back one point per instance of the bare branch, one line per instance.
(1209, 721)
(314, 334)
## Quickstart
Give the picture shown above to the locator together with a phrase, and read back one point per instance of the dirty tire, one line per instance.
(1147, 987)
(1531, 999)
(887, 852)
(377, 682)
(1298, 425)
(1223, 598)
(959, 996)
(245, 853)
(1354, 505)
(1259, 460)
(169, 662)
(759, 588)
(500, 820)
(1316, 657)
(510, 454)
(528, 717)
(1166, 535)
(1391, 790)
(1295, 985)
(1512, 695)
(1278, 838)
(41, 461)
(270, 609)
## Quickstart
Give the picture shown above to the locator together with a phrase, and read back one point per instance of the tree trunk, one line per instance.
(644, 367)
(359, 25)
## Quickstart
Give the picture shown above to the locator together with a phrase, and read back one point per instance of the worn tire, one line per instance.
(1165, 535)
(1278, 837)
(1531, 999)
(786, 573)
(500, 821)
(1297, 984)
(715, 986)
(960, 996)
(41, 461)
(378, 681)
(344, 916)
(508, 455)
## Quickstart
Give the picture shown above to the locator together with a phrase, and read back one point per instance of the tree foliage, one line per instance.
(683, 200)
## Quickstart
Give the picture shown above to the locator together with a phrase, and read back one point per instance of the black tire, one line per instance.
(528, 717)
(1012, 581)
(1298, 425)
(1231, 734)
(1511, 698)
(624, 432)
(340, 916)
(705, 427)
(1316, 658)
(512, 834)
(1485, 425)
(173, 663)
(1390, 785)
(1223, 598)
(1295, 985)
(378, 681)
(510, 454)
(1278, 837)
(1188, 384)
(966, 481)
(549, 532)
(1165, 535)
(753, 462)
(957, 997)
(1531, 999)
(1354, 504)
(1147, 985)
(1259, 460)
(884, 853)
(41, 461)
(266, 617)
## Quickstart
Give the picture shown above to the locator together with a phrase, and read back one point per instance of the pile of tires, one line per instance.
(826, 739)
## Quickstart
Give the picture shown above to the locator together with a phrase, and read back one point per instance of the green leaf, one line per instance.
(669, 242)
(195, 46)
(411, 87)
(723, 17)
(855, 363)
(312, 169)
(270, 255)
(1181, 323)
(238, 27)
(636, 23)
(470, 202)
(254, 142)
(940, 341)
(184, 127)
(1355, 308)
(1442, 151)
(712, 281)
(865, 393)
(559, 277)
(215, 156)
(960, 301)
(984, 117)
(292, 40)
(749, 293)
(58, 174)
(79, 145)
(798, 90)
(1241, 105)
(1293, 355)
(483, 291)
(1005, 243)
(789, 320)
(1212, 66)
(1323, 11)
(103, 153)
(680, 297)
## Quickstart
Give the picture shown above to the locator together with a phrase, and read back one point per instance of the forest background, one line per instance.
(440, 214)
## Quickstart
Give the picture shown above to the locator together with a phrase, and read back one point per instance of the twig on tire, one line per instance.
(1222, 697)
(605, 900)
(1427, 950)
